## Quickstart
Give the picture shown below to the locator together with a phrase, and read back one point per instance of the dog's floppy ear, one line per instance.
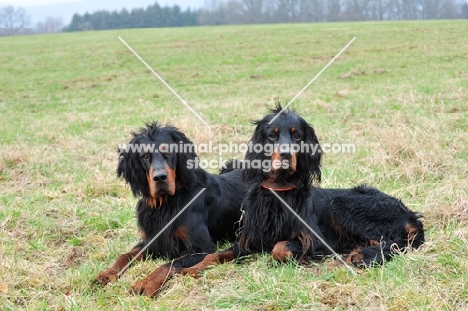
(314, 156)
(184, 175)
(256, 174)
(130, 167)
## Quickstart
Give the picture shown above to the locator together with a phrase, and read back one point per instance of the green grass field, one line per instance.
(399, 93)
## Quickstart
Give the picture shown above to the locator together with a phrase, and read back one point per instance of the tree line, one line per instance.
(220, 12)
(153, 16)
(288, 11)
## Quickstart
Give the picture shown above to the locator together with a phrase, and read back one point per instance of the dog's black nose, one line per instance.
(285, 155)
(160, 176)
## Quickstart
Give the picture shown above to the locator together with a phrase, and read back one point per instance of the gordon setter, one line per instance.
(159, 165)
(365, 224)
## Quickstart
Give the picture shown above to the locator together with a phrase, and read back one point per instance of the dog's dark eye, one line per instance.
(273, 135)
(145, 156)
(296, 136)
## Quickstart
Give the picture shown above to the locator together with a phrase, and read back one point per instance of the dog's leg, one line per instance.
(191, 264)
(282, 252)
(151, 285)
(112, 273)
(285, 250)
(296, 250)
(210, 260)
(376, 254)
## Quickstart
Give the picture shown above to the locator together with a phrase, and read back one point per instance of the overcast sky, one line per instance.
(25, 3)
(39, 10)
(31, 2)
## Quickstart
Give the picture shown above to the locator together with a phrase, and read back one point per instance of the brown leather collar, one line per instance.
(277, 186)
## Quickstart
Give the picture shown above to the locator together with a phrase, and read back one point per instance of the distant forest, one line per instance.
(220, 12)
(153, 16)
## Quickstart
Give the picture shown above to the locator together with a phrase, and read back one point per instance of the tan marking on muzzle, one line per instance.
(151, 183)
(275, 157)
(293, 162)
(171, 179)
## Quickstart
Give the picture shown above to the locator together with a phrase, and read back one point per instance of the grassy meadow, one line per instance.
(399, 93)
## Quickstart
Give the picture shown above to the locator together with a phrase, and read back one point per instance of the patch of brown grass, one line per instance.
(409, 153)
(16, 168)
(456, 212)
(336, 295)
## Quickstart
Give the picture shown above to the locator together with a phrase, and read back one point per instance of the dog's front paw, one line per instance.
(146, 287)
(106, 277)
(138, 287)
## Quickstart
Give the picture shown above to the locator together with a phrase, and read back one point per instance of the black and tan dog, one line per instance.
(365, 224)
(166, 180)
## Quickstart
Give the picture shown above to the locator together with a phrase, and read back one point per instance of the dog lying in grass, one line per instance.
(165, 182)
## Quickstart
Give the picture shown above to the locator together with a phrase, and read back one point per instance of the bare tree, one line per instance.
(406, 9)
(311, 11)
(13, 21)
(50, 25)
(382, 8)
(430, 9)
(235, 13)
(214, 13)
(252, 10)
(354, 10)
(269, 11)
(334, 10)
(464, 10)
(393, 10)
(377, 9)
(450, 9)
(360, 10)
(287, 10)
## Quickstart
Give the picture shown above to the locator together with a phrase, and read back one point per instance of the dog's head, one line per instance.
(154, 162)
(287, 148)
